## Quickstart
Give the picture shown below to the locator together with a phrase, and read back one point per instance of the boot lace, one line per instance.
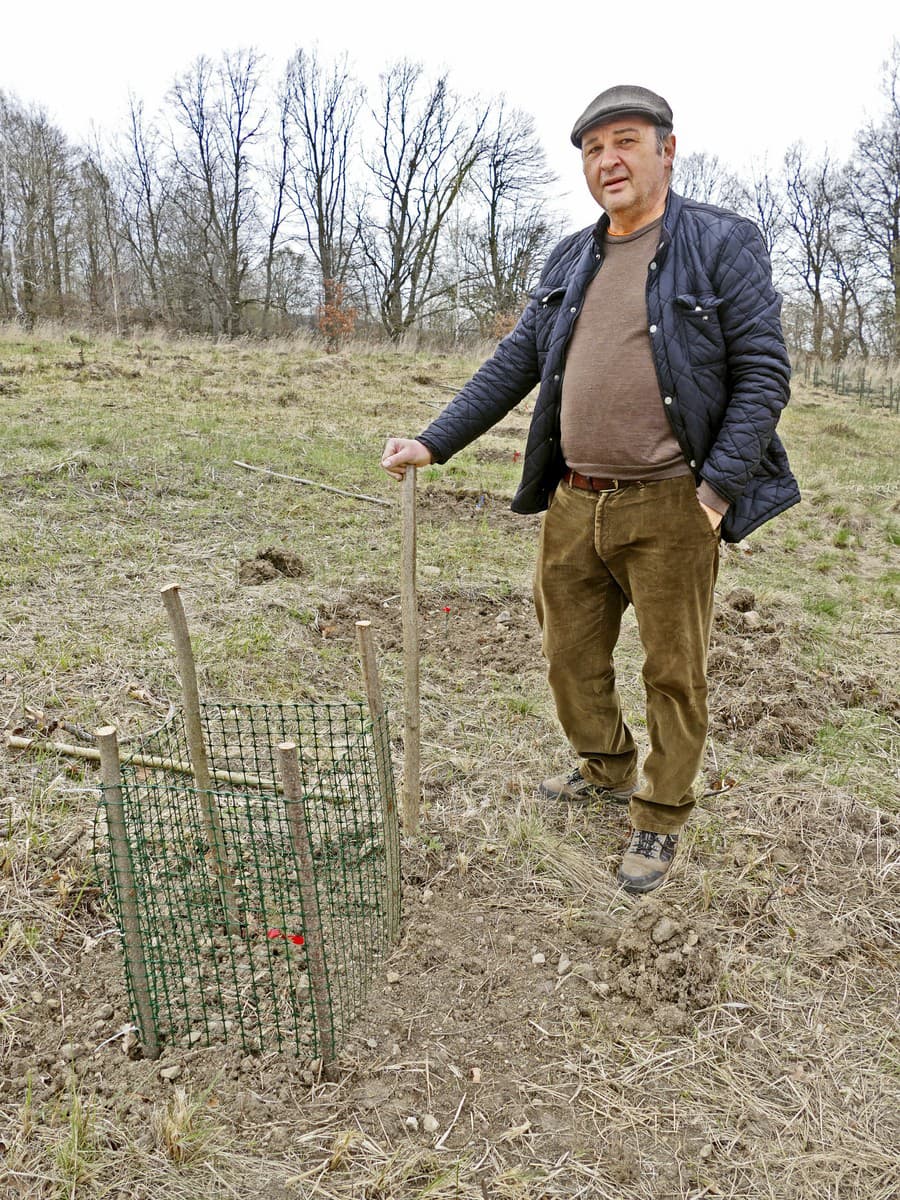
(648, 844)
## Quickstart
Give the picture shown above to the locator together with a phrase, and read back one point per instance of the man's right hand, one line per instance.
(400, 453)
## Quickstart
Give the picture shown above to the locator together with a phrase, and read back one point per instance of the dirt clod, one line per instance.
(659, 969)
(741, 599)
(664, 929)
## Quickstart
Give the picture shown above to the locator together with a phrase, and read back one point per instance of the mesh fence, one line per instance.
(284, 962)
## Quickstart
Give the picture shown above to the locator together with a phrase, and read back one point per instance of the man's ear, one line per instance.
(669, 150)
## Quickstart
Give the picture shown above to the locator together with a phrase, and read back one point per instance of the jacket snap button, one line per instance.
(653, 266)
(653, 329)
(573, 309)
(693, 462)
(667, 400)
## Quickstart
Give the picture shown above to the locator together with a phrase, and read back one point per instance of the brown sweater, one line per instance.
(613, 420)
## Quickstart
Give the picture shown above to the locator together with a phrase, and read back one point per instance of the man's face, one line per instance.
(625, 172)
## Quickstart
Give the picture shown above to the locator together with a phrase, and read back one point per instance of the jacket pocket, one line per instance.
(702, 332)
(548, 301)
(548, 296)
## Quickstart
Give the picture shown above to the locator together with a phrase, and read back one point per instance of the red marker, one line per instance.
(297, 938)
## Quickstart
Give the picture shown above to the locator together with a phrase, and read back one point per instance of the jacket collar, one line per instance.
(671, 213)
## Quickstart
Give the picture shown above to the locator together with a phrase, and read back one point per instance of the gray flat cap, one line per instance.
(619, 100)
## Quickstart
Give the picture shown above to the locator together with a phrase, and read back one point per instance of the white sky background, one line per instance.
(744, 80)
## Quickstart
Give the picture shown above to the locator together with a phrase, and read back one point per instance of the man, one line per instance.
(656, 339)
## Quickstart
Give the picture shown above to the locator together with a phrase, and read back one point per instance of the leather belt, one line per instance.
(593, 483)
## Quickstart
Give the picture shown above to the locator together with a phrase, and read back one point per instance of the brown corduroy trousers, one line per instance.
(650, 545)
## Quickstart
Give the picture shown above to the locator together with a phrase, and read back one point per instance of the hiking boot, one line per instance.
(646, 861)
(579, 790)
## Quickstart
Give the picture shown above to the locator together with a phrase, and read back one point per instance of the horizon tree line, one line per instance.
(248, 208)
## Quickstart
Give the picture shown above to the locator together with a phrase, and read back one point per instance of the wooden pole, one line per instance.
(197, 749)
(143, 760)
(411, 793)
(289, 765)
(126, 891)
(372, 684)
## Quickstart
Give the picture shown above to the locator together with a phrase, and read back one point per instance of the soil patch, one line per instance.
(479, 990)
(493, 454)
(759, 698)
(510, 431)
(480, 633)
(440, 507)
(273, 563)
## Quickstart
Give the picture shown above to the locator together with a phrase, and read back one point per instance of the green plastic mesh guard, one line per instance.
(252, 984)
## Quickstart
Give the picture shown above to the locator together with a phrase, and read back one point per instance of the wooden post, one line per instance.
(289, 765)
(197, 749)
(411, 794)
(126, 890)
(372, 684)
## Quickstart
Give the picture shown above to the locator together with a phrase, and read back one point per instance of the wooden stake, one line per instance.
(289, 765)
(377, 712)
(411, 793)
(126, 891)
(197, 749)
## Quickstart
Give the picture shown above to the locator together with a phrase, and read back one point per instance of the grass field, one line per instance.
(533, 1034)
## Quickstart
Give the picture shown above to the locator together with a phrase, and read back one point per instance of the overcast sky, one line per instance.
(744, 80)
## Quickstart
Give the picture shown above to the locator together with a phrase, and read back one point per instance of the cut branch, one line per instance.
(326, 487)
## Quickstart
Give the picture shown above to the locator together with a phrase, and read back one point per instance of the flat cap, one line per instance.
(619, 100)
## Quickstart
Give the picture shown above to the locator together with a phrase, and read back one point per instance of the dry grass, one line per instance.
(778, 1081)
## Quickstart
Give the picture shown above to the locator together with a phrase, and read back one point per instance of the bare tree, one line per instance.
(100, 239)
(427, 148)
(704, 178)
(813, 195)
(766, 207)
(511, 232)
(322, 105)
(847, 309)
(278, 174)
(217, 105)
(145, 188)
(875, 200)
(37, 170)
(10, 280)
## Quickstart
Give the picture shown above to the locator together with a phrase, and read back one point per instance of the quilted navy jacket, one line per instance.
(715, 330)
